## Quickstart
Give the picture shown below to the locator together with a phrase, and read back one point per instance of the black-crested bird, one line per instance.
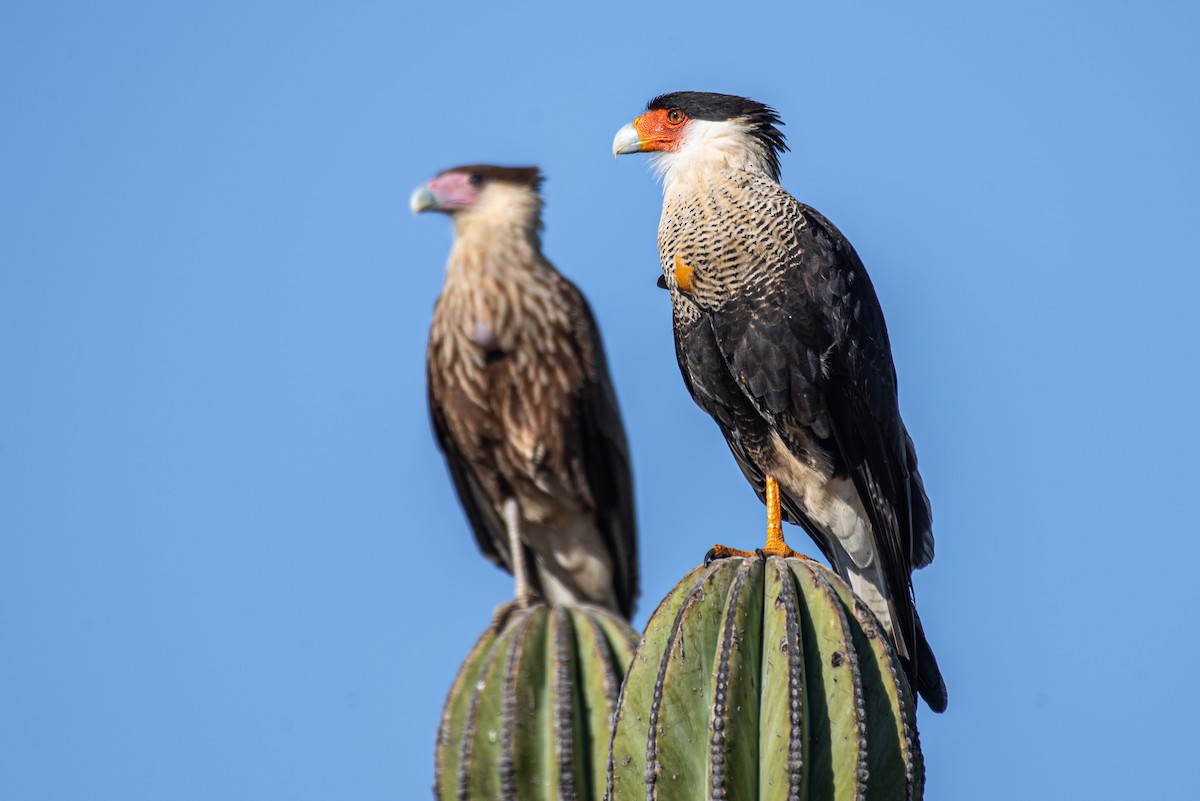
(522, 404)
(781, 339)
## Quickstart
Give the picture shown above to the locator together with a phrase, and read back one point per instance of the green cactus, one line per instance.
(530, 713)
(764, 679)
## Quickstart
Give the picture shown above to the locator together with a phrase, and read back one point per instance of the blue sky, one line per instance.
(231, 562)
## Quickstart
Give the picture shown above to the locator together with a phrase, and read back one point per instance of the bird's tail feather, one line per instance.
(869, 584)
(920, 665)
(929, 680)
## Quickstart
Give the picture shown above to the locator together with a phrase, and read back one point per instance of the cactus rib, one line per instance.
(764, 679)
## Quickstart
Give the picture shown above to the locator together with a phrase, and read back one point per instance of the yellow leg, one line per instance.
(776, 546)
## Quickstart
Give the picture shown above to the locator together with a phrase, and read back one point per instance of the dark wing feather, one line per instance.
(715, 389)
(806, 341)
(489, 530)
(865, 413)
(485, 523)
(876, 449)
(602, 457)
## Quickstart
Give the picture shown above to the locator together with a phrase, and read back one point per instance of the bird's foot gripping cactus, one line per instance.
(764, 679)
(530, 713)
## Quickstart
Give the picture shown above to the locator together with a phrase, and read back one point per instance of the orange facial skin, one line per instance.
(660, 129)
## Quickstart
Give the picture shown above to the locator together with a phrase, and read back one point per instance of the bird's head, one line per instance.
(483, 194)
(688, 131)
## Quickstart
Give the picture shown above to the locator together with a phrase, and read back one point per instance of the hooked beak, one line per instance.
(422, 200)
(627, 140)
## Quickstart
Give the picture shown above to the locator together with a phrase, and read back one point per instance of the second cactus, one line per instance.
(529, 715)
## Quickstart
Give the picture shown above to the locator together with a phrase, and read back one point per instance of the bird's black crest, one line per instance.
(715, 107)
(526, 176)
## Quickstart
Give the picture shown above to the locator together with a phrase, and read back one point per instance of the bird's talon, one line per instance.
(523, 601)
(782, 551)
(724, 552)
(502, 613)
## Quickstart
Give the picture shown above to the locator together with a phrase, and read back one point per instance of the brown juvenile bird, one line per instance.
(522, 404)
(781, 339)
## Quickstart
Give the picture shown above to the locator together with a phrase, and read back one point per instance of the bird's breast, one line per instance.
(723, 246)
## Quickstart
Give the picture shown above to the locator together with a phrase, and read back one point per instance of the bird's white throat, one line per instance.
(502, 210)
(708, 146)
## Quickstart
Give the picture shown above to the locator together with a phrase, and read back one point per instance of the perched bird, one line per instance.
(781, 339)
(522, 404)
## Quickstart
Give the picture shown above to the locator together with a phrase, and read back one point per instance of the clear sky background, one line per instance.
(231, 562)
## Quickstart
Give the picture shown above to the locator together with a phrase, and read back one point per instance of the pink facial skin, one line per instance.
(453, 191)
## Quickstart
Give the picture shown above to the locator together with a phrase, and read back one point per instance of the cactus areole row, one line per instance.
(530, 713)
(764, 679)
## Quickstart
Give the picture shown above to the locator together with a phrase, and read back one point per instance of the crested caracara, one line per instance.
(781, 339)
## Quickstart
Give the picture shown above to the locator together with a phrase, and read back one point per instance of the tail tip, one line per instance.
(934, 695)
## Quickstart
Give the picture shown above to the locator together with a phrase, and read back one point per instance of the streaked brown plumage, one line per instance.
(781, 339)
(521, 400)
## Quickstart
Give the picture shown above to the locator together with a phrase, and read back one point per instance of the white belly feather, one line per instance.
(570, 553)
(834, 507)
(832, 503)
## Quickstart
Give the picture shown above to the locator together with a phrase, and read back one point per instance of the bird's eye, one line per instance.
(675, 116)
(476, 180)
